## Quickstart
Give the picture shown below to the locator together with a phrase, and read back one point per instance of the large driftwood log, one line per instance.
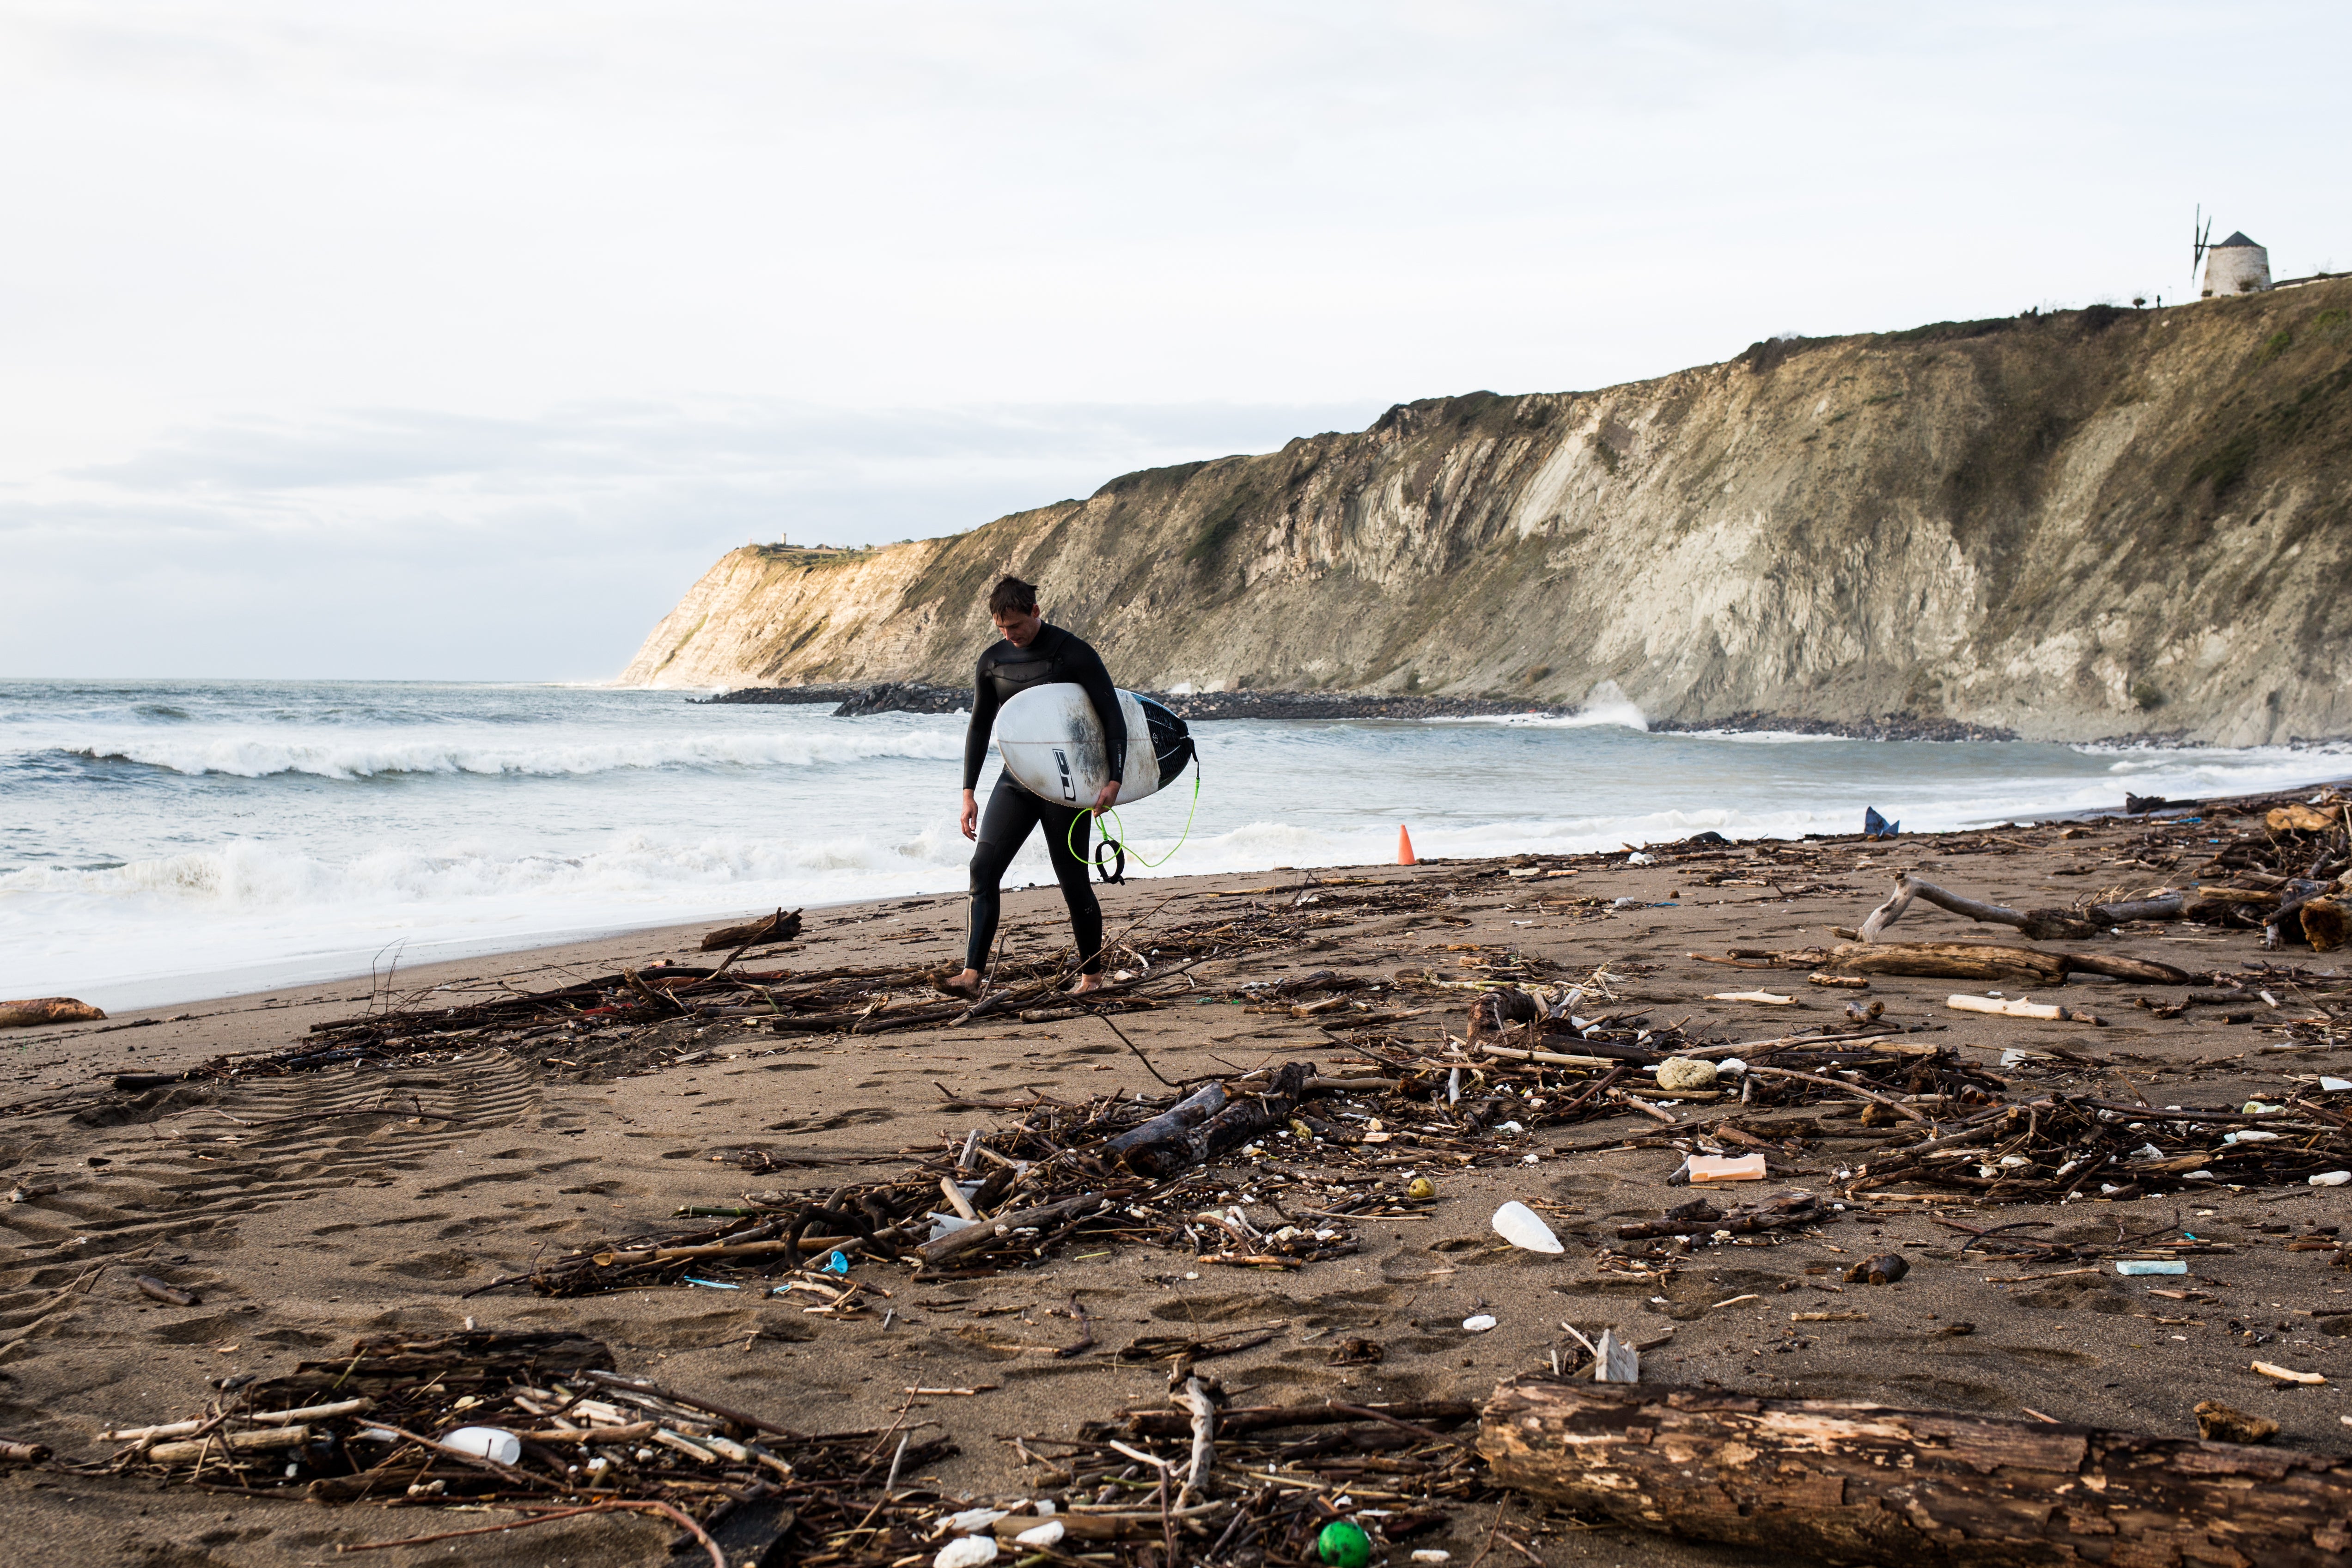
(2147, 971)
(2040, 925)
(1185, 1114)
(2158, 906)
(32, 1011)
(777, 927)
(1948, 960)
(1994, 960)
(1863, 1483)
(2277, 912)
(1244, 1119)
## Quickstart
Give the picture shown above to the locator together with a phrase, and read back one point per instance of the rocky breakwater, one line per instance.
(2099, 523)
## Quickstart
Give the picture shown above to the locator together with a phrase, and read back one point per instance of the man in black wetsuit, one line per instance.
(1032, 654)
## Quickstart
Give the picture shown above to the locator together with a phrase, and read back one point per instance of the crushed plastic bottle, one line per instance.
(494, 1444)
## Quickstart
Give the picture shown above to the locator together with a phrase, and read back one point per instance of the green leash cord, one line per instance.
(1114, 839)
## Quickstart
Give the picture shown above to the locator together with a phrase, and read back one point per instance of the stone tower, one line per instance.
(2236, 265)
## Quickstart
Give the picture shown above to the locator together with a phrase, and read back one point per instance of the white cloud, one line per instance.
(289, 285)
(409, 544)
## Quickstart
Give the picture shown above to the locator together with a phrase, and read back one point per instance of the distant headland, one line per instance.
(2106, 523)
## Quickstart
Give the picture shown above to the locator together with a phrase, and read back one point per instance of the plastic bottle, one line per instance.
(491, 1443)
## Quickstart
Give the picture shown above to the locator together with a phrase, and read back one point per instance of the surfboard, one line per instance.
(1052, 744)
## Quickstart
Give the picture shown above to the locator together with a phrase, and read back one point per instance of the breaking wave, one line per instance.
(173, 840)
(364, 757)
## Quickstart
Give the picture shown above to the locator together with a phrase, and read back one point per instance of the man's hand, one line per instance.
(1106, 797)
(969, 820)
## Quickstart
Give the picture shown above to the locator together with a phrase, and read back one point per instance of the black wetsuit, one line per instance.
(1005, 671)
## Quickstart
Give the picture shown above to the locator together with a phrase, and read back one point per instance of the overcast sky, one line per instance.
(455, 340)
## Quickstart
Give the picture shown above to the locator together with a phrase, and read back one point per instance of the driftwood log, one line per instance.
(32, 1011)
(1038, 1218)
(2062, 925)
(1244, 1119)
(781, 926)
(2170, 906)
(1948, 960)
(1186, 1113)
(1863, 1483)
(2295, 896)
(2277, 910)
(2147, 971)
(2040, 925)
(1994, 960)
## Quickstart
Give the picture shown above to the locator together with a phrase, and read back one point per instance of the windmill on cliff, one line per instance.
(2236, 265)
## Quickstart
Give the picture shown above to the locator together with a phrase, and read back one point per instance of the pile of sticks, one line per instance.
(394, 1422)
(532, 1429)
(1258, 1483)
(2068, 1146)
(1109, 1169)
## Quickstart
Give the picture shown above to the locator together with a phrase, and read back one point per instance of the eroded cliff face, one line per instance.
(2088, 525)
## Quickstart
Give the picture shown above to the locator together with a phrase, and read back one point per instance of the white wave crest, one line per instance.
(265, 756)
(1605, 716)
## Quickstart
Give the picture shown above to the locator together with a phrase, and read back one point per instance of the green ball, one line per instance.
(1344, 1545)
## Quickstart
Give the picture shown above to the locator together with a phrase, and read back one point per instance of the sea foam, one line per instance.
(258, 756)
(167, 841)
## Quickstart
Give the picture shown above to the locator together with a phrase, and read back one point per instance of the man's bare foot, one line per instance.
(1086, 983)
(967, 984)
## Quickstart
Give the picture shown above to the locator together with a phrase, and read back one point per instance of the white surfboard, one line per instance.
(1052, 744)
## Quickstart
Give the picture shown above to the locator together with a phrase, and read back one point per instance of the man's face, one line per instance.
(1019, 628)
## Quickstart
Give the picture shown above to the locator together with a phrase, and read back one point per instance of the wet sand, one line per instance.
(302, 1228)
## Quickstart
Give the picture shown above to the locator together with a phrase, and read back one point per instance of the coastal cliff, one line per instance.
(2085, 525)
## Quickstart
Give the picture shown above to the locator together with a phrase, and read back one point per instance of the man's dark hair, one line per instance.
(1012, 594)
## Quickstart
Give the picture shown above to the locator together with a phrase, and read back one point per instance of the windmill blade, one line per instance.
(2201, 232)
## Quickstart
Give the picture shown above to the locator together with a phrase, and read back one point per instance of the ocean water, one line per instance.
(167, 841)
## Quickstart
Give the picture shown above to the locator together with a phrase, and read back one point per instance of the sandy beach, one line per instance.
(306, 1210)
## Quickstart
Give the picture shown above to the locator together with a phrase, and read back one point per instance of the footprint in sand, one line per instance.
(1224, 1309)
(247, 1148)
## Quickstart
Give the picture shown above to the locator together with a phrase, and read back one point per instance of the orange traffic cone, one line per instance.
(1404, 847)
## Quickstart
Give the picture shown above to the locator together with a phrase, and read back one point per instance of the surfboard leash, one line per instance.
(1114, 839)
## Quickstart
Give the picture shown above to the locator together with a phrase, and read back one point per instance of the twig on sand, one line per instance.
(1130, 1044)
(1856, 1089)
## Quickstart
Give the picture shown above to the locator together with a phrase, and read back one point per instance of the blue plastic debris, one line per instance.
(711, 1283)
(1876, 826)
(836, 1264)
